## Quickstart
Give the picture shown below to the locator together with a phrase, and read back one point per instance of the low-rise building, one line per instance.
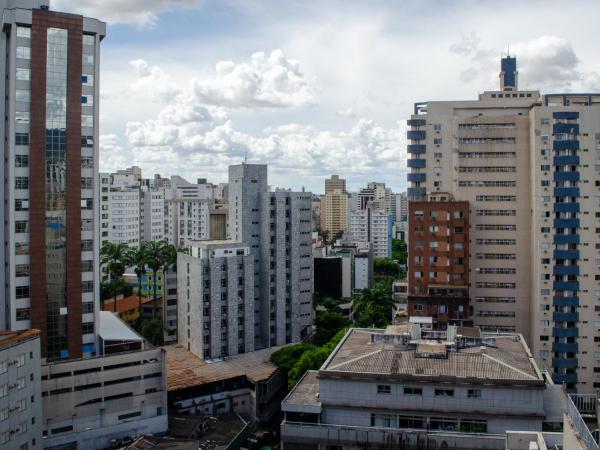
(89, 402)
(127, 308)
(403, 387)
(248, 384)
(20, 390)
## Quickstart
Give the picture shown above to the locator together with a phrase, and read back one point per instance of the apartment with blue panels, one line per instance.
(529, 166)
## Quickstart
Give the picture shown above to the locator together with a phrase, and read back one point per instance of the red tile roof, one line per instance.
(125, 303)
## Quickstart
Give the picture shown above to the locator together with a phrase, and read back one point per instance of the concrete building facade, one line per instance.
(50, 164)
(438, 266)
(216, 284)
(372, 227)
(526, 163)
(21, 417)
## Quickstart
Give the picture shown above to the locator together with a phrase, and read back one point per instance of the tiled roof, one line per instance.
(184, 369)
(508, 361)
(125, 303)
(12, 337)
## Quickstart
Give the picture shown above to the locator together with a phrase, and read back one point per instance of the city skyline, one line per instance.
(307, 126)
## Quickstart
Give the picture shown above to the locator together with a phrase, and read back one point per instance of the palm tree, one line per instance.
(155, 254)
(136, 258)
(113, 256)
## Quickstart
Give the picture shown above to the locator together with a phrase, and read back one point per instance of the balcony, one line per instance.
(565, 301)
(416, 177)
(566, 192)
(566, 239)
(560, 378)
(565, 332)
(566, 176)
(416, 193)
(566, 286)
(564, 363)
(566, 160)
(566, 223)
(416, 148)
(565, 115)
(563, 347)
(416, 122)
(567, 128)
(414, 163)
(415, 135)
(566, 207)
(566, 254)
(566, 270)
(565, 317)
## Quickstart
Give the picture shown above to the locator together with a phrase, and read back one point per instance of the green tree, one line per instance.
(313, 359)
(113, 257)
(328, 324)
(374, 306)
(399, 251)
(286, 357)
(137, 258)
(156, 257)
(152, 331)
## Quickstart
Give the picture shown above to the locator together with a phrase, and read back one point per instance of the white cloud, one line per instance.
(152, 81)
(547, 62)
(271, 81)
(141, 13)
(348, 112)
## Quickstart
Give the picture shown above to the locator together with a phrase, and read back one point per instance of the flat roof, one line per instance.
(306, 390)
(114, 329)
(125, 303)
(508, 361)
(184, 369)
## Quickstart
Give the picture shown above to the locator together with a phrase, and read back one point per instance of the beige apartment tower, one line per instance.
(334, 206)
(528, 164)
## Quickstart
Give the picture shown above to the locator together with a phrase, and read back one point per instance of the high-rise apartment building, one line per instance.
(216, 290)
(50, 166)
(527, 165)
(372, 227)
(438, 266)
(277, 228)
(335, 183)
(334, 212)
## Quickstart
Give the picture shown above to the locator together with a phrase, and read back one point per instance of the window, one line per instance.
(23, 52)
(444, 392)
(414, 422)
(21, 160)
(129, 415)
(23, 74)
(21, 138)
(23, 314)
(88, 60)
(473, 426)
(21, 204)
(21, 182)
(87, 120)
(384, 389)
(87, 141)
(473, 393)
(21, 226)
(87, 80)
(22, 270)
(443, 423)
(22, 291)
(22, 95)
(383, 420)
(88, 39)
(24, 32)
(87, 100)
(87, 327)
(413, 391)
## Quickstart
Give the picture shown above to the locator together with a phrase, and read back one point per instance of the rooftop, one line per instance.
(494, 357)
(124, 304)
(114, 329)
(184, 369)
(8, 338)
(156, 442)
(306, 391)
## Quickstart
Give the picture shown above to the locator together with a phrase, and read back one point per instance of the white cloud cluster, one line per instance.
(141, 13)
(272, 81)
(547, 62)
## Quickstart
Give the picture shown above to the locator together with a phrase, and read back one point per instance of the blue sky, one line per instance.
(313, 88)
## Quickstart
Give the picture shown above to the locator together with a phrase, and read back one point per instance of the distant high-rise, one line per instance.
(528, 166)
(335, 183)
(50, 139)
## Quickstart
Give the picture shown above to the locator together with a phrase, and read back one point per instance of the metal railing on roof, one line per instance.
(580, 427)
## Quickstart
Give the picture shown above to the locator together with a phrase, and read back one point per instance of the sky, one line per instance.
(313, 88)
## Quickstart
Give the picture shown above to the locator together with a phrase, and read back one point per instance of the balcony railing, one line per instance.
(578, 423)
